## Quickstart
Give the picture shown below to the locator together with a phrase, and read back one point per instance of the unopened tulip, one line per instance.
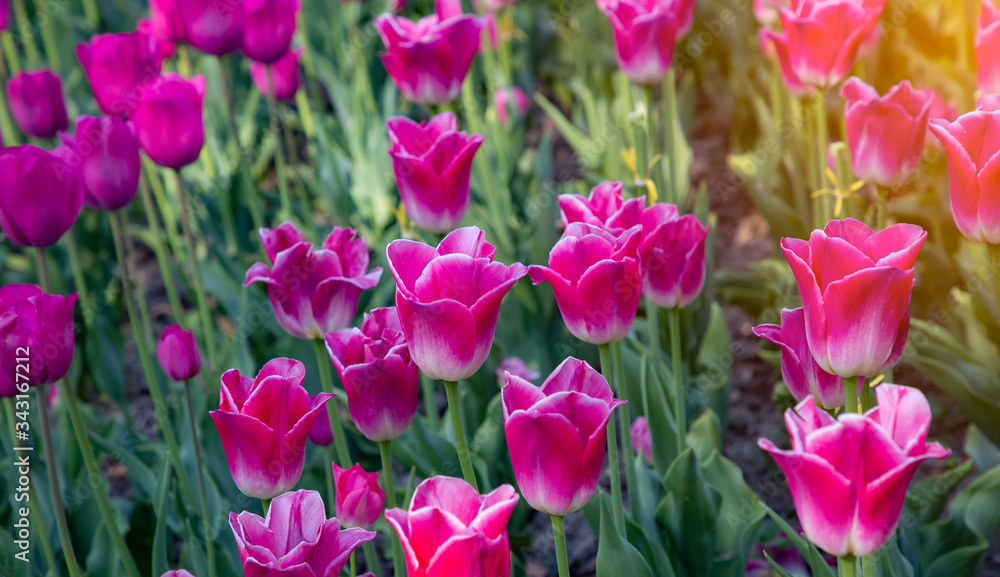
(284, 75)
(164, 48)
(642, 440)
(36, 101)
(213, 26)
(165, 20)
(40, 195)
(178, 354)
(973, 159)
(885, 134)
(605, 207)
(106, 153)
(295, 539)
(119, 67)
(557, 434)
(672, 251)
(516, 367)
(168, 120)
(801, 374)
(320, 434)
(268, 29)
(359, 498)
(510, 99)
(448, 299)
(4, 15)
(645, 32)
(263, 424)
(987, 46)
(855, 286)
(432, 162)
(177, 573)
(428, 59)
(848, 477)
(597, 280)
(36, 332)
(313, 292)
(452, 530)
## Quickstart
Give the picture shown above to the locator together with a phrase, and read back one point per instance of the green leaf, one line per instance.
(778, 568)
(581, 143)
(705, 435)
(984, 453)
(927, 499)
(740, 514)
(690, 512)
(160, 562)
(615, 555)
(809, 552)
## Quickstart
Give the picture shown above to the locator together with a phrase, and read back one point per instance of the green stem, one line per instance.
(331, 488)
(882, 214)
(654, 134)
(559, 536)
(279, 155)
(385, 448)
(293, 163)
(354, 567)
(199, 288)
(866, 395)
(162, 255)
(266, 504)
(91, 13)
(994, 266)
(165, 206)
(616, 473)
(249, 191)
(458, 428)
(44, 21)
(79, 279)
(430, 401)
(867, 566)
(821, 139)
(624, 420)
(27, 36)
(680, 404)
(323, 360)
(10, 134)
(850, 394)
(847, 566)
(50, 464)
(36, 515)
(371, 559)
(206, 520)
(673, 191)
(183, 60)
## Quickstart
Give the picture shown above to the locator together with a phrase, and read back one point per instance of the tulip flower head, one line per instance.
(37, 327)
(119, 68)
(645, 32)
(557, 434)
(105, 151)
(672, 251)
(295, 539)
(448, 299)
(320, 434)
(178, 353)
(605, 207)
(359, 498)
(263, 423)
(452, 530)
(36, 102)
(641, 439)
(40, 195)
(4, 15)
(213, 26)
(510, 99)
(432, 162)
(855, 286)
(515, 367)
(268, 29)
(177, 573)
(987, 45)
(284, 75)
(848, 477)
(168, 120)
(803, 377)
(165, 21)
(164, 47)
(313, 292)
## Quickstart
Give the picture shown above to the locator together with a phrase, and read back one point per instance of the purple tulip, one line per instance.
(36, 331)
(40, 196)
(269, 28)
(168, 120)
(515, 367)
(359, 499)
(178, 353)
(165, 21)
(284, 74)
(212, 26)
(119, 67)
(36, 101)
(106, 152)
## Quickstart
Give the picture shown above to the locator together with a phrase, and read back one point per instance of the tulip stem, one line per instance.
(821, 139)
(994, 266)
(323, 360)
(385, 448)
(430, 402)
(616, 473)
(80, 432)
(354, 567)
(624, 419)
(850, 395)
(279, 154)
(206, 520)
(866, 395)
(199, 288)
(680, 403)
(371, 559)
(266, 504)
(458, 428)
(251, 195)
(79, 279)
(847, 566)
(882, 214)
(91, 13)
(867, 566)
(162, 255)
(27, 35)
(673, 192)
(559, 536)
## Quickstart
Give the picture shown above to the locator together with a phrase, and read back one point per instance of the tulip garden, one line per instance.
(527, 288)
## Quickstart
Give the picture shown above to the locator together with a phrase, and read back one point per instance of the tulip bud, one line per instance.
(269, 28)
(164, 48)
(672, 251)
(37, 327)
(642, 440)
(320, 434)
(168, 120)
(40, 196)
(284, 74)
(514, 367)
(503, 103)
(177, 573)
(212, 26)
(106, 153)
(644, 33)
(987, 46)
(178, 354)
(165, 20)
(36, 101)
(359, 498)
(119, 68)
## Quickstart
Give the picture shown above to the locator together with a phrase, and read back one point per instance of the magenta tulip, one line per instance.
(987, 45)
(645, 32)
(177, 573)
(36, 101)
(284, 74)
(359, 498)
(433, 162)
(515, 367)
(106, 153)
(295, 539)
(168, 120)
(213, 26)
(313, 292)
(4, 15)
(166, 22)
(452, 530)
(848, 477)
(269, 28)
(556, 435)
(605, 208)
(164, 48)
(320, 434)
(801, 374)
(428, 59)
(178, 353)
(973, 151)
(641, 439)
(855, 286)
(40, 196)
(448, 300)
(380, 379)
(36, 331)
(597, 280)
(119, 68)
(263, 424)
(885, 134)
(672, 251)
(507, 100)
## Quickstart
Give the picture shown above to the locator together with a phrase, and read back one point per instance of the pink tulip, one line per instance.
(642, 440)
(604, 208)
(168, 120)
(510, 99)
(36, 331)
(269, 29)
(119, 68)
(885, 134)
(973, 167)
(819, 41)
(359, 498)
(768, 12)
(164, 47)
(36, 102)
(848, 477)
(177, 573)
(166, 21)
(685, 16)
(320, 434)
(987, 46)
(178, 354)
(597, 280)
(557, 434)
(451, 530)
(428, 59)
(106, 153)
(433, 162)
(263, 424)
(940, 110)
(855, 286)
(448, 300)
(645, 32)
(801, 374)
(672, 251)
(213, 26)
(40, 196)
(295, 539)
(515, 367)
(381, 380)
(313, 292)
(284, 75)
